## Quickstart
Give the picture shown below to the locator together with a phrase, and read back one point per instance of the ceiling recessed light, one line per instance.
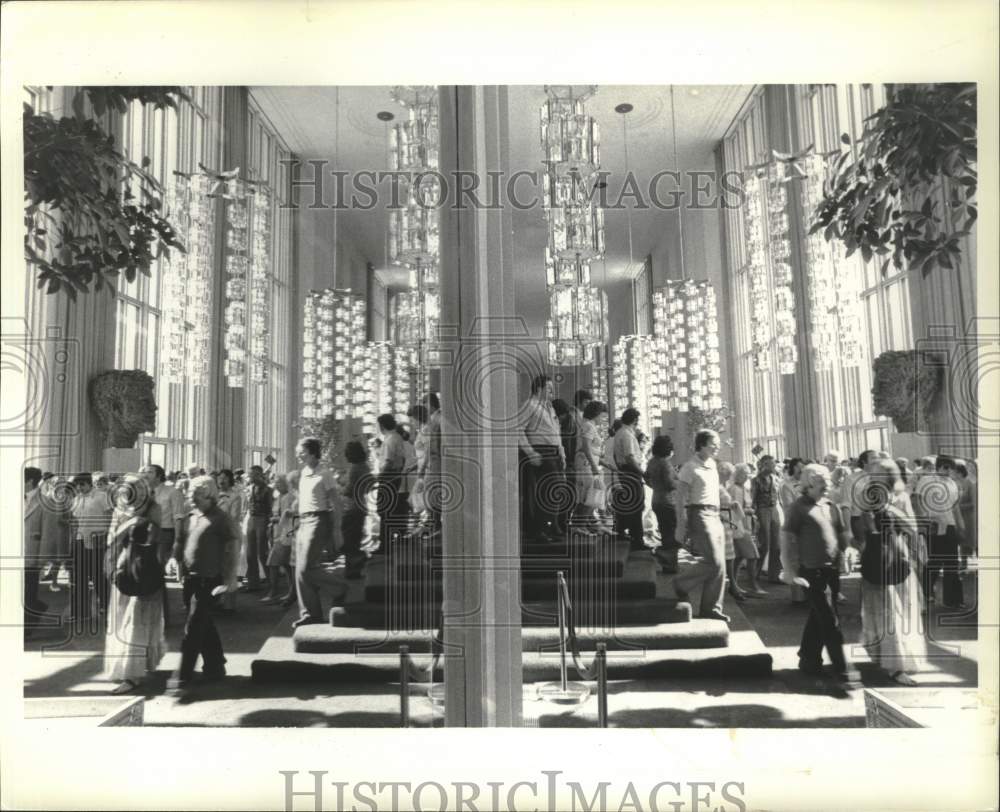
(384, 115)
(694, 92)
(623, 108)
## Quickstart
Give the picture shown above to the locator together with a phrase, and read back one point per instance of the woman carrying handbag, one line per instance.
(891, 597)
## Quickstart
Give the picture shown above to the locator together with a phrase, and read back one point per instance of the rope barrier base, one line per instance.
(575, 693)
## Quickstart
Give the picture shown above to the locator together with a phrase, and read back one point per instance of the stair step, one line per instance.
(533, 613)
(538, 641)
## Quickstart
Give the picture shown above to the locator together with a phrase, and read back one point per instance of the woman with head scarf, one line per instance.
(891, 597)
(134, 642)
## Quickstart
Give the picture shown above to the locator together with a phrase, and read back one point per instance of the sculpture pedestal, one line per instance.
(120, 460)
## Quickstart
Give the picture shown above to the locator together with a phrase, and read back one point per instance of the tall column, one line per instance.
(805, 428)
(479, 367)
(226, 407)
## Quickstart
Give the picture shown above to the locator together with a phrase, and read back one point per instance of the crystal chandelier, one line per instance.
(236, 193)
(759, 289)
(334, 355)
(834, 301)
(187, 288)
(570, 139)
(687, 371)
(780, 247)
(414, 143)
(260, 284)
(414, 240)
(632, 360)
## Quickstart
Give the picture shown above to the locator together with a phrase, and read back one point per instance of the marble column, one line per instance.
(480, 357)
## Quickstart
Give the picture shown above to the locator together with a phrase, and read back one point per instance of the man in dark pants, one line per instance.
(209, 531)
(815, 534)
(629, 498)
(260, 506)
(543, 475)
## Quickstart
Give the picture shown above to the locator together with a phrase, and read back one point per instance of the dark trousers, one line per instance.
(88, 568)
(629, 501)
(769, 540)
(666, 518)
(823, 626)
(543, 487)
(391, 511)
(200, 635)
(944, 554)
(257, 548)
(352, 529)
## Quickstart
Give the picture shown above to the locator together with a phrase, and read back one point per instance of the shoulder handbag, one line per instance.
(884, 560)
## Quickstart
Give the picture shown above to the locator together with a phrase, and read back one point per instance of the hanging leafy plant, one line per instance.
(904, 389)
(886, 202)
(90, 213)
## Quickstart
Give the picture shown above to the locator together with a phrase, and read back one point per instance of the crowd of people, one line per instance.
(800, 523)
(122, 538)
(797, 523)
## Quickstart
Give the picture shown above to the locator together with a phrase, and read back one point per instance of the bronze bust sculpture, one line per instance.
(124, 403)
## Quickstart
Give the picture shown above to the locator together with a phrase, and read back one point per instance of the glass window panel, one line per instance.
(156, 454)
(151, 338)
(158, 150)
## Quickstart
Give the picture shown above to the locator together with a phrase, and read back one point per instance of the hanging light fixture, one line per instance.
(570, 140)
(832, 283)
(632, 360)
(414, 240)
(780, 249)
(236, 193)
(687, 369)
(187, 287)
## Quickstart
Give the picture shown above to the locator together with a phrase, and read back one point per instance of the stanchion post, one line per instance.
(561, 603)
(404, 686)
(602, 684)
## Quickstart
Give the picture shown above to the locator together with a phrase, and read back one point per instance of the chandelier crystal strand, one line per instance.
(632, 359)
(201, 275)
(236, 194)
(312, 388)
(760, 308)
(260, 285)
(781, 268)
(175, 284)
(570, 141)
(821, 271)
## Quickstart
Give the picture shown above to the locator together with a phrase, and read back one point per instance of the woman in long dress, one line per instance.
(891, 620)
(134, 642)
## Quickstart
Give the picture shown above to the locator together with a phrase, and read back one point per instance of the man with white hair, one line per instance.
(832, 459)
(209, 532)
(814, 536)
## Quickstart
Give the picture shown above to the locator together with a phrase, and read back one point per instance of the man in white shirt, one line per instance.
(628, 497)
(698, 498)
(541, 444)
(317, 500)
(91, 521)
(169, 513)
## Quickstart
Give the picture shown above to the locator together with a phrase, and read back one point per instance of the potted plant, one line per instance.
(886, 202)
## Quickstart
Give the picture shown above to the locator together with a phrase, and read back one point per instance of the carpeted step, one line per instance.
(323, 639)
(587, 614)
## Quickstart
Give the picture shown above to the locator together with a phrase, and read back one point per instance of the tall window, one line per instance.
(267, 404)
(827, 111)
(758, 393)
(174, 141)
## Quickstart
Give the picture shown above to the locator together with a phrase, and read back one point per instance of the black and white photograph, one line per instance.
(499, 444)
